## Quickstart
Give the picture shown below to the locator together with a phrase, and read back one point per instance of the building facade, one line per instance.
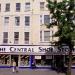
(24, 36)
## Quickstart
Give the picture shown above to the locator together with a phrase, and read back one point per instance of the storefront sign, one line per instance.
(37, 49)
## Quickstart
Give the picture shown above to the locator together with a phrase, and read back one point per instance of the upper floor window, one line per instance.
(46, 35)
(40, 35)
(46, 19)
(5, 37)
(26, 37)
(18, 5)
(17, 21)
(6, 20)
(42, 5)
(0, 7)
(27, 6)
(27, 20)
(7, 8)
(16, 37)
(41, 19)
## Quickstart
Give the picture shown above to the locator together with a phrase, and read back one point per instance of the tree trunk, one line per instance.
(69, 63)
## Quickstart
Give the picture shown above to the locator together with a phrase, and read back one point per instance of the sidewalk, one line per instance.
(8, 71)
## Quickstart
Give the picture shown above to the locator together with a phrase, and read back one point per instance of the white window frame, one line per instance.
(5, 38)
(18, 9)
(16, 40)
(26, 38)
(27, 6)
(27, 21)
(42, 5)
(6, 20)
(42, 36)
(7, 7)
(17, 20)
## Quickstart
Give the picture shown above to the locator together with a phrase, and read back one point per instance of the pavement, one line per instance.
(8, 71)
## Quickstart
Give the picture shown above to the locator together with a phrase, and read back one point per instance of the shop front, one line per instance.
(6, 60)
(31, 56)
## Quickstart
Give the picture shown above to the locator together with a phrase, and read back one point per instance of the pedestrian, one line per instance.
(14, 66)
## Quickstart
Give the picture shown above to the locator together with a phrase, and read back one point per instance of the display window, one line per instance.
(73, 60)
(43, 60)
(4, 60)
(24, 61)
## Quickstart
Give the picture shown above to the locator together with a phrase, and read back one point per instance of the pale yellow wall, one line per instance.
(34, 27)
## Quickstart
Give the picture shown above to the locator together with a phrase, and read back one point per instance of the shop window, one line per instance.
(73, 60)
(4, 60)
(24, 60)
(43, 60)
(38, 60)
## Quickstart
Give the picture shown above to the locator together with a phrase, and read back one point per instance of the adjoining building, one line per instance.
(24, 36)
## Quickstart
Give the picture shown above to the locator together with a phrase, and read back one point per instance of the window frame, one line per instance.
(27, 20)
(6, 20)
(16, 39)
(18, 7)
(17, 20)
(5, 37)
(7, 7)
(26, 37)
(42, 5)
(27, 6)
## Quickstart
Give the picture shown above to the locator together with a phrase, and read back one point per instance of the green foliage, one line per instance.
(63, 13)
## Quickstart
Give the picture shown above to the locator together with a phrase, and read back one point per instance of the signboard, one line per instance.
(25, 48)
(34, 48)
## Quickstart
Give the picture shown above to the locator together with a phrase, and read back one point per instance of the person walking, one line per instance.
(14, 66)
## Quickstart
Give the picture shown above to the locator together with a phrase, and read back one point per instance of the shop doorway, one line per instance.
(15, 58)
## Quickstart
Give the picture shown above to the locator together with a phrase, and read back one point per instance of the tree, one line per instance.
(63, 14)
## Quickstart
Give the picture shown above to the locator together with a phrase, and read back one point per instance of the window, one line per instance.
(0, 7)
(26, 37)
(24, 60)
(16, 37)
(41, 20)
(40, 35)
(17, 21)
(6, 20)
(42, 5)
(46, 19)
(27, 6)
(5, 37)
(7, 8)
(43, 60)
(18, 5)
(46, 35)
(27, 20)
(4, 59)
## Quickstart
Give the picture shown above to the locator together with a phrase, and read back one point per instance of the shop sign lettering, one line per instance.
(13, 49)
(36, 49)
